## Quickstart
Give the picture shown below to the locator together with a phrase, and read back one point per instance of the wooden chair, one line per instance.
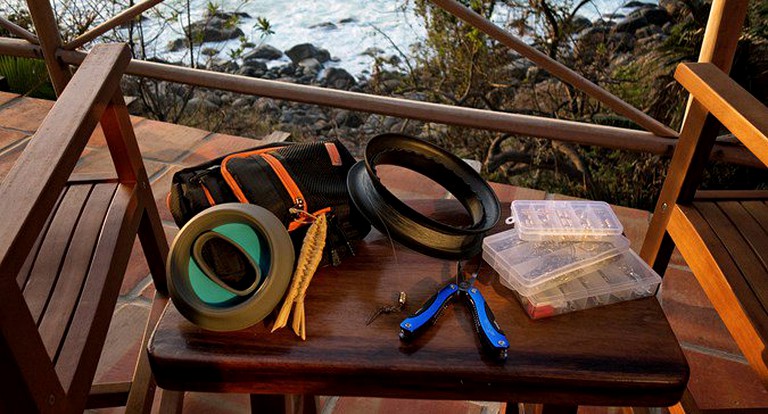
(722, 235)
(64, 247)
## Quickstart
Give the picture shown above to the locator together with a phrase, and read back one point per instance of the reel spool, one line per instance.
(230, 266)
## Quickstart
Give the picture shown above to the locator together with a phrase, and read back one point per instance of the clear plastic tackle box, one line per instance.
(618, 279)
(564, 220)
(530, 267)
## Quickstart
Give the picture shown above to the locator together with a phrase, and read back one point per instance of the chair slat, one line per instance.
(45, 271)
(23, 276)
(758, 210)
(738, 247)
(77, 361)
(34, 183)
(751, 229)
(721, 279)
(77, 261)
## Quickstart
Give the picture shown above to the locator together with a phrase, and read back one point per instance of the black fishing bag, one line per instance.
(287, 179)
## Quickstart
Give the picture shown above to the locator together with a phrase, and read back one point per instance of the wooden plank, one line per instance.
(726, 18)
(61, 306)
(753, 272)
(684, 174)
(18, 30)
(554, 67)
(758, 210)
(144, 386)
(743, 114)
(698, 134)
(731, 195)
(275, 136)
(79, 355)
(45, 272)
(26, 270)
(750, 229)
(34, 183)
(118, 130)
(111, 394)
(719, 277)
(47, 29)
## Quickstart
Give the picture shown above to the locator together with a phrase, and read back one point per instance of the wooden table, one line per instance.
(620, 355)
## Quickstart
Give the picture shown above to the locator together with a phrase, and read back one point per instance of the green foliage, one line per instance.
(264, 26)
(27, 77)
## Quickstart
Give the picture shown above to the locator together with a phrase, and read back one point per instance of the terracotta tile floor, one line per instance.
(720, 376)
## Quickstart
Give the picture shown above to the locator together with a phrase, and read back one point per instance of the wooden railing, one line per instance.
(659, 138)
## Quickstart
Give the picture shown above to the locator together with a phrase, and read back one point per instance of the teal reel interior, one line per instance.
(251, 243)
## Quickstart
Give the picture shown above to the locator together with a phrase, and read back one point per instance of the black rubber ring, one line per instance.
(391, 216)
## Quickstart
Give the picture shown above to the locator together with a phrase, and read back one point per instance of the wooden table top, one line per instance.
(623, 354)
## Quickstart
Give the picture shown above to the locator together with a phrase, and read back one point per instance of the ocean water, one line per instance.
(389, 25)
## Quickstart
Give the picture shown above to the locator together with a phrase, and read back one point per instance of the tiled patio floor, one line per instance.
(720, 376)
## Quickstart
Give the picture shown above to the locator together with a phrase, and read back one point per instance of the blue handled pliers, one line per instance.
(491, 336)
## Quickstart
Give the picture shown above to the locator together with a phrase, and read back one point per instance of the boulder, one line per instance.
(324, 25)
(580, 23)
(637, 4)
(241, 102)
(372, 51)
(256, 65)
(622, 42)
(226, 15)
(250, 71)
(213, 29)
(648, 31)
(310, 66)
(518, 68)
(263, 52)
(197, 104)
(673, 7)
(306, 51)
(222, 65)
(176, 45)
(631, 24)
(348, 119)
(655, 15)
(338, 78)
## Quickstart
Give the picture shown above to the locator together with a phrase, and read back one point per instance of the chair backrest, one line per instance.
(49, 366)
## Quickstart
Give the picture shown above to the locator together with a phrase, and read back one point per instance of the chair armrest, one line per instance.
(33, 185)
(743, 114)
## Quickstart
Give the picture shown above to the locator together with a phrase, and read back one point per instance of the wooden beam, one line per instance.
(555, 68)
(119, 19)
(698, 133)
(561, 130)
(18, 30)
(50, 40)
(743, 114)
(110, 394)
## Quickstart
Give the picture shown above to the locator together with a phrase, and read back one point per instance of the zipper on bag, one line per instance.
(299, 202)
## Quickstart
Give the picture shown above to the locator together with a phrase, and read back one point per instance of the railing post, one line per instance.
(698, 133)
(50, 41)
